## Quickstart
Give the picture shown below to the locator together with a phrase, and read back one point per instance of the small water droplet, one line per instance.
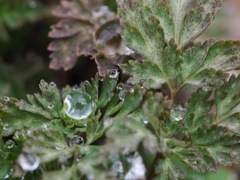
(28, 161)
(113, 73)
(6, 98)
(131, 90)
(42, 82)
(10, 144)
(19, 135)
(76, 88)
(122, 95)
(58, 148)
(50, 106)
(52, 84)
(77, 140)
(137, 170)
(178, 112)
(86, 83)
(120, 86)
(145, 121)
(6, 126)
(78, 105)
(117, 167)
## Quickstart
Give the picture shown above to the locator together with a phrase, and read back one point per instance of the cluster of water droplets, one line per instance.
(28, 161)
(78, 105)
(178, 112)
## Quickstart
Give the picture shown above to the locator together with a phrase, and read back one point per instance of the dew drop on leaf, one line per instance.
(52, 84)
(10, 144)
(6, 126)
(6, 98)
(50, 106)
(120, 86)
(177, 112)
(42, 82)
(145, 121)
(113, 73)
(28, 161)
(77, 140)
(10, 172)
(78, 105)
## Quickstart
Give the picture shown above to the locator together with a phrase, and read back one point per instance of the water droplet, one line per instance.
(178, 112)
(120, 86)
(117, 167)
(137, 170)
(77, 140)
(145, 121)
(6, 126)
(10, 144)
(122, 95)
(78, 105)
(58, 148)
(75, 88)
(28, 161)
(131, 90)
(6, 98)
(50, 106)
(107, 123)
(52, 84)
(86, 83)
(19, 135)
(42, 82)
(113, 73)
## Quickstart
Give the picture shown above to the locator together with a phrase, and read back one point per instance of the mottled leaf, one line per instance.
(166, 170)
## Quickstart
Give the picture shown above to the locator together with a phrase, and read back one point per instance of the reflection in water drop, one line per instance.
(78, 105)
(10, 144)
(178, 112)
(28, 161)
(6, 126)
(77, 140)
(113, 73)
(137, 170)
(6, 98)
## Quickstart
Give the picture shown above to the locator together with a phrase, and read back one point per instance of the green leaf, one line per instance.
(188, 26)
(167, 170)
(198, 109)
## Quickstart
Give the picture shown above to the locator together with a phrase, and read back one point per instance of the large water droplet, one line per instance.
(10, 144)
(178, 112)
(77, 140)
(28, 161)
(78, 105)
(137, 170)
(113, 73)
